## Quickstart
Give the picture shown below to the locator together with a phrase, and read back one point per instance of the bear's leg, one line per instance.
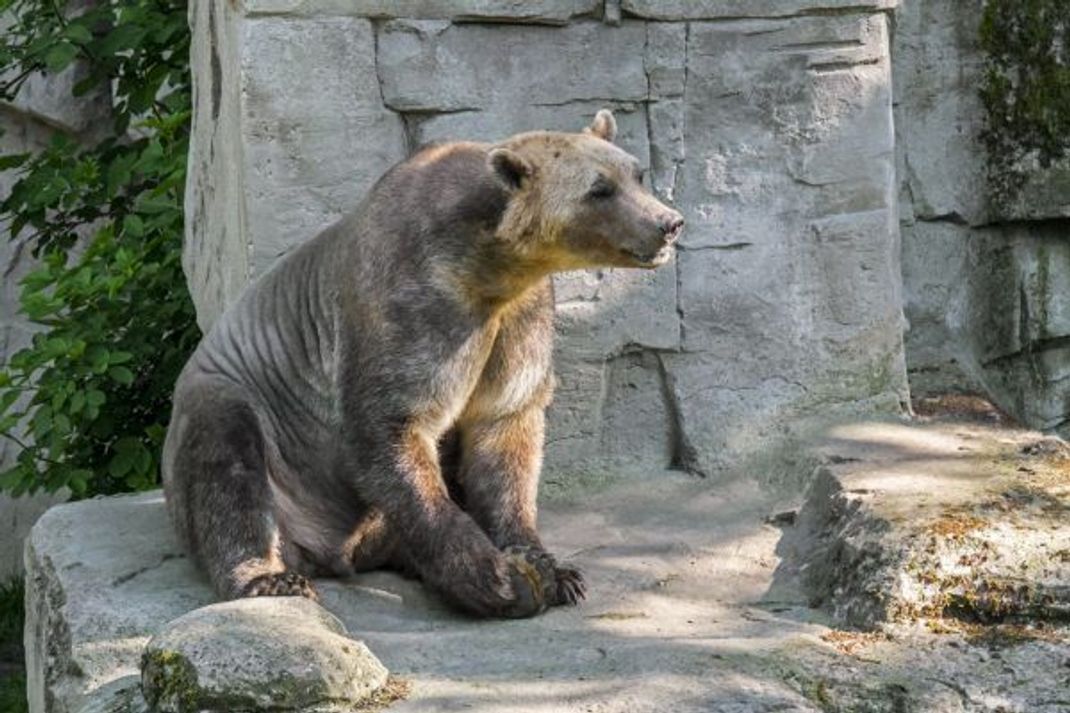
(437, 540)
(220, 499)
(499, 476)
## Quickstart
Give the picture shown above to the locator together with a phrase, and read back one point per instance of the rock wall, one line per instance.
(769, 124)
(44, 106)
(986, 283)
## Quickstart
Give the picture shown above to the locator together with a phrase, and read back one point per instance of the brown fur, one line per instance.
(378, 398)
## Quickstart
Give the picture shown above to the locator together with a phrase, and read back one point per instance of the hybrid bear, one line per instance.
(376, 399)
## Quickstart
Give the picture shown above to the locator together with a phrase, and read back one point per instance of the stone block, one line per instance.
(431, 66)
(789, 273)
(667, 150)
(939, 116)
(611, 419)
(939, 68)
(666, 58)
(552, 12)
(601, 313)
(316, 136)
(742, 9)
(81, 647)
(216, 245)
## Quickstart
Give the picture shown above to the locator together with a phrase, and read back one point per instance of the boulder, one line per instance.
(270, 653)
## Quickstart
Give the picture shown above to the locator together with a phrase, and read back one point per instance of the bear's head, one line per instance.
(578, 201)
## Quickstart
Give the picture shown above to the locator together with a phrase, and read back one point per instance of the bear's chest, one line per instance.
(454, 379)
(497, 371)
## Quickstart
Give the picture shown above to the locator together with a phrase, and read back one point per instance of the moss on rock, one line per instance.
(169, 681)
(1026, 89)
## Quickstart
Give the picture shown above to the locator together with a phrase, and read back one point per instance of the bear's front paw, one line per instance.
(282, 584)
(532, 575)
(552, 585)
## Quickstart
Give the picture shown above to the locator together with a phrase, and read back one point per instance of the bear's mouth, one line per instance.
(651, 259)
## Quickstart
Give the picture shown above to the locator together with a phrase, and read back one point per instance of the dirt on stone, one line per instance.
(961, 407)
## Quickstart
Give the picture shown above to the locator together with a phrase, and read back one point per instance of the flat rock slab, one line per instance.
(958, 522)
(693, 606)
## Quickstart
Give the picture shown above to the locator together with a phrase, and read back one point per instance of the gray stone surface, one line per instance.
(216, 251)
(957, 521)
(789, 295)
(315, 139)
(988, 312)
(696, 603)
(17, 516)
(437, 66)
(938, 70)
(981, 279)
(554, 12)
(743, 9)
(271, 653)
(774, 136)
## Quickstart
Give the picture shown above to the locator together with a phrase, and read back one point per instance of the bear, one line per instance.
(376, 399)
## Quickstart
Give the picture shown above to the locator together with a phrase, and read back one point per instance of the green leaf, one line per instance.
(8, 398)
(98, 358)
(121, 463)
(78, 481)
(123, 37)
(122, 375)
(78, 33)
(61, 55)
(133, 226)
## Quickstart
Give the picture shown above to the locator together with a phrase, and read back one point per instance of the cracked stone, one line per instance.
(954, 521)
(554, 12)
(460, 67)
(744, 9)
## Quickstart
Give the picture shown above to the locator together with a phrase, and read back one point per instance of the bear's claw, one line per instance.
(283, 584)
(552, 585)
(571, 587)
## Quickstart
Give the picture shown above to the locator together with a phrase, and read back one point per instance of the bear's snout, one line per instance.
(672, 224)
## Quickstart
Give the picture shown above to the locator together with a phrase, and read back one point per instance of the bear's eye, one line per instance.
(602, 188)
(639, 174)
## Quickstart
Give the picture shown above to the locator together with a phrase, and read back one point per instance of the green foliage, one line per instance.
(1026, 89)
(89, 400)
(12, 594)
(13, 694)
(12, 679)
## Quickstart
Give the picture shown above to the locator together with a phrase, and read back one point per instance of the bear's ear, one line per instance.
(604, 126)
(511, 168)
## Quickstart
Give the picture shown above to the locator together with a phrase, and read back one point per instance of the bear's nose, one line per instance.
(671, 225)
